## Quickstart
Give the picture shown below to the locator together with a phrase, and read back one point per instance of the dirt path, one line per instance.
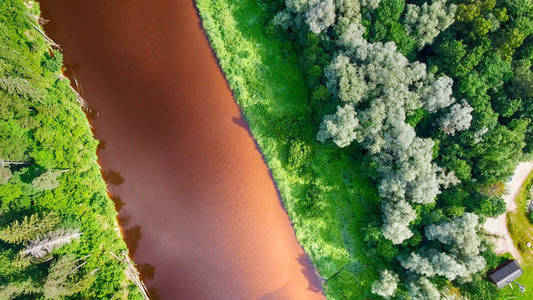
(498, 226)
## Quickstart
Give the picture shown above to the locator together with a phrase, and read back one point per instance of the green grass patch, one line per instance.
(521, 229)
(327, 191)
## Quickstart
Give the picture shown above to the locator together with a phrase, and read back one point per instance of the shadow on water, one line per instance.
(147, 271)
(91, 114)
(309, 271)
(118, 202)
(284, 292)
(132, 236)
(154, 293)
(241, 122)
(123, 220)
(101, 145)
(113, 177)
(315, 282)
(71, 67)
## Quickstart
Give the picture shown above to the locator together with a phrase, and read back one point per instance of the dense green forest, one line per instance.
(389, 126)
(57, 224)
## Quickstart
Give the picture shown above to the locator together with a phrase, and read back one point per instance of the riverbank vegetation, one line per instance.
(384, 124)
(57, 224)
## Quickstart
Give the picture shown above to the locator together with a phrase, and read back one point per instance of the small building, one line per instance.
(505, 273)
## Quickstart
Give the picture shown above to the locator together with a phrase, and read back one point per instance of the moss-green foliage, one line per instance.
(44, 132)
(326, 192)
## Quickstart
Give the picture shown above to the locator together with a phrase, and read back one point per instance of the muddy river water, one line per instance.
(197, 205)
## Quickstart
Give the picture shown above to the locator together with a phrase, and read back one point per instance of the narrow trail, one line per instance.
(498, 226)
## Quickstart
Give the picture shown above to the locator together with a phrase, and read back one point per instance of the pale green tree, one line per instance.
(460, 234)
(339, 127)
(423, 289)
(5, 175)
(396, 219)
(424, 23)
(387, 284)
(457, 119)
(320, 16)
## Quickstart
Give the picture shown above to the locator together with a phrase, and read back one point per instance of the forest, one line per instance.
(389, 126)
(59, 237)
(413, 111)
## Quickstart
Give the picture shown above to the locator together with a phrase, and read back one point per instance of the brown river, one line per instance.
(197, 204)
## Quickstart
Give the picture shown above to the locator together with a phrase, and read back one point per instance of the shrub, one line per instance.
(298, 154)
(53, 62)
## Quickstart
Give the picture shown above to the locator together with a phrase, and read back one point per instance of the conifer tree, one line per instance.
(29, 228)
(60, 281)
(14, 289)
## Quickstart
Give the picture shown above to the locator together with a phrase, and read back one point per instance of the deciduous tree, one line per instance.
(387, 284)
(425, 22)
(423, 289)
(457, 119)
(320, 16)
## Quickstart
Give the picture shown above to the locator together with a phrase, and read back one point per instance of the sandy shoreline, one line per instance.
(498, 226)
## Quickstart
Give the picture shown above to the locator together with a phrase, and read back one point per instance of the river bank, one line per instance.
(327, 192)
(51, 187)
(198, 208)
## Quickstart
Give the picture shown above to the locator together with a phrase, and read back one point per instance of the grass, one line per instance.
(521, 230)
(329, 195)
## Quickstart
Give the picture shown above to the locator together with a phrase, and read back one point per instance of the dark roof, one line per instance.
(505, 273)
